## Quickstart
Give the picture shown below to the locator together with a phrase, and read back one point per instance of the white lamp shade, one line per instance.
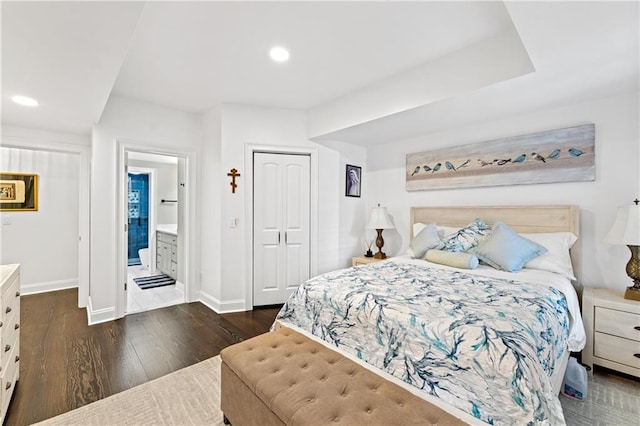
(626, 228)
(380, 219)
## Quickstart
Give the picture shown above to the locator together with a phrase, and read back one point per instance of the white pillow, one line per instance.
(557, 259)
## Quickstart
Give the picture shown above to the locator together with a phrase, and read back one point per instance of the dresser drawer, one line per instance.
(9, 378)
(617, 349)
(10, 341)
(617, 323)
(10, 303)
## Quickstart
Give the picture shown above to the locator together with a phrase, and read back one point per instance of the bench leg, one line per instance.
(225, 420)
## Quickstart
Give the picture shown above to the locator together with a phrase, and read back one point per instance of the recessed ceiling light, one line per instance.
(279, 54)
(25, 101)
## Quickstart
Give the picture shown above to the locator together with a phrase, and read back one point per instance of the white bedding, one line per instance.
(574, 340)
(577, 335)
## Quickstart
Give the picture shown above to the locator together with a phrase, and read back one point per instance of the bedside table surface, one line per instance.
(613, 299)
(364, 260)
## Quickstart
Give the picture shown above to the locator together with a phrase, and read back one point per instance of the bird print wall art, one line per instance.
(561, 155)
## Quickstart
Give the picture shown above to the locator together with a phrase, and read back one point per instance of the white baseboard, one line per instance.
(36, 288)
(219, 307)
(96, 316)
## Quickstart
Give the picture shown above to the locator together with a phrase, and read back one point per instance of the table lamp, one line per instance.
(380, 220)
(626, 230)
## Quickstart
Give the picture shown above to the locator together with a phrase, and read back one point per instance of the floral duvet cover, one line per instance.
(487, 346)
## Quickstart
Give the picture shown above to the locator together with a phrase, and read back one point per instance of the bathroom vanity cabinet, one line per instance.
(167, 253)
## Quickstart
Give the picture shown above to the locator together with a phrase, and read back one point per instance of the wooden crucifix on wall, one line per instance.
(233, 175)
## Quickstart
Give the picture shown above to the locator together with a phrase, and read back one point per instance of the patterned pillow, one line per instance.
(467, 237)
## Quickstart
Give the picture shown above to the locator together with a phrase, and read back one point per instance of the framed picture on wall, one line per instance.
(353, 181)
(18, 192)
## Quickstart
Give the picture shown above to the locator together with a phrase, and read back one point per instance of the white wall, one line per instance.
(227, 133)
(351, 210)
(44, 242)
(211, 209)
(617, 179)
(162, 130)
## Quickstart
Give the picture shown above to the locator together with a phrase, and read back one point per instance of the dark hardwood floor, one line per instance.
(65, 364)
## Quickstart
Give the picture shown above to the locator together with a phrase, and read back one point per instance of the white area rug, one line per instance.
(190, 396)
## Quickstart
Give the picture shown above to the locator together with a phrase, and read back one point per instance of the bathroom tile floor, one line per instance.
(139, 300)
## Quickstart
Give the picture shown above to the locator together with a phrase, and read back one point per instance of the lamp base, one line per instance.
(633, 271)
(632, 293)
(379, 244)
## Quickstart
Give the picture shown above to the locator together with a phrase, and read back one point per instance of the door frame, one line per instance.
(250, 149)
(153, 195)
(49, 142)
(190, 240)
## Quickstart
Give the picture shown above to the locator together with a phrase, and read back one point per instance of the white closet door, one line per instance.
(281, 210)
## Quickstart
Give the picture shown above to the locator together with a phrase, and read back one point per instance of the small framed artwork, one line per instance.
(18, 192)
(353, 181)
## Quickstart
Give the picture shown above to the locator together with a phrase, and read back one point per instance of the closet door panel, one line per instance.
(281, 225)
(296, 220)
(268, 255)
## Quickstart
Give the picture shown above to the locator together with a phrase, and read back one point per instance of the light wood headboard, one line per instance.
(529, 219)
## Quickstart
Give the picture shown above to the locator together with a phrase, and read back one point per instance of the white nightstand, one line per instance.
(612, 324)
(363, 260)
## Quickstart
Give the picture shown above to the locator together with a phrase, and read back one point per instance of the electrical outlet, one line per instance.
(6, 219)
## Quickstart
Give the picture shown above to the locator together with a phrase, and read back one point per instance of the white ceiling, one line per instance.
(67, 56)
(195, 55)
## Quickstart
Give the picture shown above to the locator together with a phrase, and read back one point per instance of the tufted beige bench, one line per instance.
(286, 378)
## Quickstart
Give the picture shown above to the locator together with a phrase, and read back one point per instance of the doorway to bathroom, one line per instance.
(153, 208)
(138, 181)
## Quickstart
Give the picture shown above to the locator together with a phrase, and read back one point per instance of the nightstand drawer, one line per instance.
(617, 349)
(617, 323)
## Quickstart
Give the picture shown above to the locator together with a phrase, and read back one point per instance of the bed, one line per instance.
(485, 345)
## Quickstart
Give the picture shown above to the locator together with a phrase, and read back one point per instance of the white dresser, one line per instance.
(612, 324)
(9, 333)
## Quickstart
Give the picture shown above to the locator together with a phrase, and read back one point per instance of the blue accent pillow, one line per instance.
(467, 237)
(505, 249)
(426, 239)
